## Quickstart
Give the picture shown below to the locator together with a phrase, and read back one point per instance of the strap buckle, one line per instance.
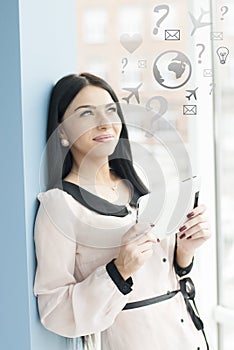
(187, 288)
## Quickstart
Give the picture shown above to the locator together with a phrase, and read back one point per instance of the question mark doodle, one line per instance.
(124, 62)
(224, 10)
(157, 9)
(202, 50)
(163, 105)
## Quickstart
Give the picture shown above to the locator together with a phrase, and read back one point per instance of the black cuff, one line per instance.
(122, 285)
(182, 271)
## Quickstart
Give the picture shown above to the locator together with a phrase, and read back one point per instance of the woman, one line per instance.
(93, 261)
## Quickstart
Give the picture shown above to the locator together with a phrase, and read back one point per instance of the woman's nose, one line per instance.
(103, 121)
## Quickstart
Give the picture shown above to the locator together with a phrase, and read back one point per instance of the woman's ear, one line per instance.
(62, 136)
(61, 132)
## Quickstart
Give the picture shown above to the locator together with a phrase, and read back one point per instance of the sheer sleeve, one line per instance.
(66, 306)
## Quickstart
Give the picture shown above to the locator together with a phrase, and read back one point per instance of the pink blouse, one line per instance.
(76, 295)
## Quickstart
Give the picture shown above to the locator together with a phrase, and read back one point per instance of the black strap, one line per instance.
(187, 289)
(150, 301)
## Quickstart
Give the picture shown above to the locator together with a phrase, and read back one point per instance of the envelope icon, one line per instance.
(172, 34)
(207, 73)
(189, 109)
(216, 35)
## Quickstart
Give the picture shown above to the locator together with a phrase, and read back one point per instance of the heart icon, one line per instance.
(131, 43)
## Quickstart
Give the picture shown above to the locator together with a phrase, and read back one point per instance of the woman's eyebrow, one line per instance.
(90, 106)
(110, 104)
(84, 106)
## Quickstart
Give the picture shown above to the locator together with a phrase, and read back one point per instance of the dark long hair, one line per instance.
(59, 158)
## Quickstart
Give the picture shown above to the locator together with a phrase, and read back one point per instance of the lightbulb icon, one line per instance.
(222, 53)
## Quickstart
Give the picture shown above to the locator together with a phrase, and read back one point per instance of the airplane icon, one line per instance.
(133, 92)
(192, 94)
(197, 22)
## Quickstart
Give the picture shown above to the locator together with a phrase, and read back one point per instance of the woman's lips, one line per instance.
(104, 138)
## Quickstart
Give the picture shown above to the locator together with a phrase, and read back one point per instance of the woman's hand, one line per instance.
(136, 248)
(192, 235)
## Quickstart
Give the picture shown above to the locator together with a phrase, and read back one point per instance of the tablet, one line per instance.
(168, 207)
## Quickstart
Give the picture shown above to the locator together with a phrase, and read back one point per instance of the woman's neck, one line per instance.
(92, 172)
(99, 179)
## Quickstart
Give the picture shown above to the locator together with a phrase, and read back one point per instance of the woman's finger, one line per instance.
(200, 209)
(135, 232)
(199, 219)
(196, 228)
(205, 234)
(147, 237)
(146, 255)
(144, 246)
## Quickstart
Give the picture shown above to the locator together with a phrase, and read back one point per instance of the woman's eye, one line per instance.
(111, 110)
(86, 113)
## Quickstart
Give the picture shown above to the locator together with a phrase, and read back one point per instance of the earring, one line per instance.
(64, 142)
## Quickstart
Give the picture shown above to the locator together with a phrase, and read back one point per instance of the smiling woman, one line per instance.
(88, 127)
(86, 107)
(96, 267)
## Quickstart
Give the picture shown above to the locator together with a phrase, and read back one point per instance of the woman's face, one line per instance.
(91, 123)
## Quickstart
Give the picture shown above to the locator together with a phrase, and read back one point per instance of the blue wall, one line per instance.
(38, 46)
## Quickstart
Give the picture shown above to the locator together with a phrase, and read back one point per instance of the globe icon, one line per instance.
(172, 69)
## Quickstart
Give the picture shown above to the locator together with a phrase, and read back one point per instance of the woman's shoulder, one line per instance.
(56, 208)
(54, 215)
(57, 201)
(61, 202)
(52, 193)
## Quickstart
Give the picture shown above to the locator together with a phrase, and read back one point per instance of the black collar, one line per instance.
(98, 204)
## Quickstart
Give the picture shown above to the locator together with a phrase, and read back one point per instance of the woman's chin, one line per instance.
(103, 149)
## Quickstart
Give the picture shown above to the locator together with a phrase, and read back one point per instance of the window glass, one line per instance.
(95, 25)
(116, 41)
(224, 131)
